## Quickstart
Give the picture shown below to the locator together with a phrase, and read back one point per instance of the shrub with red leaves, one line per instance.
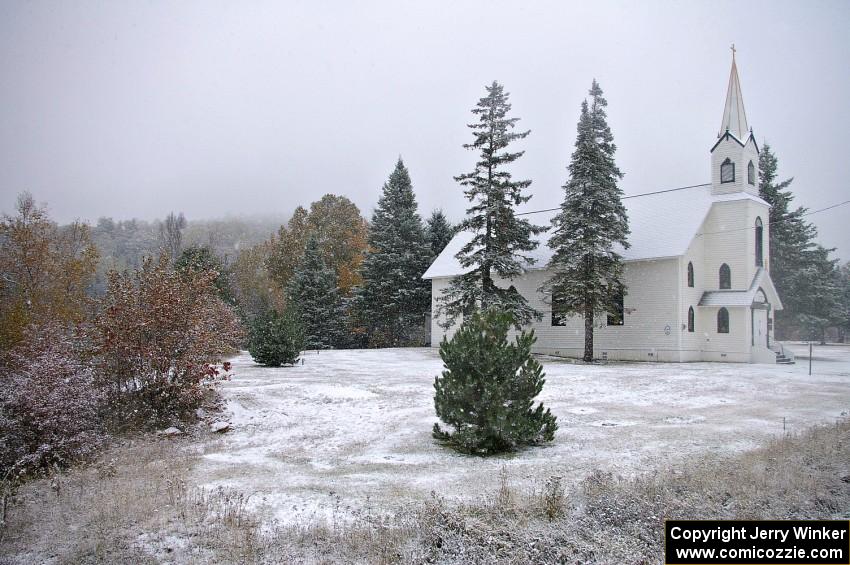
(159, 341)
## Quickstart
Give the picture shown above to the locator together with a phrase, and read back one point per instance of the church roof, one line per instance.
(761, 280)
(734, 115)
(662, 225)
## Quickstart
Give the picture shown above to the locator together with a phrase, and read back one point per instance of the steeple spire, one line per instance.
(734, 116)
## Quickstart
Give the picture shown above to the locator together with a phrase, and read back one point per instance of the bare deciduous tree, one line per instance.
(171, 234)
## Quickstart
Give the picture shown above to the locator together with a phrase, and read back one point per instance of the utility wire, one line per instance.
(697, 186)
(626, 197)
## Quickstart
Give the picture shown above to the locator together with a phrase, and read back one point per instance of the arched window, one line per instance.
(691, 319)
(725, 277)
(723, 321)
(559, 315)
(751, 173)
(616, 317)
(759, 243)
(727, 171)
(690, 274)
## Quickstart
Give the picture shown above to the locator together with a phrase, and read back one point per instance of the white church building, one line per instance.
(697, 271)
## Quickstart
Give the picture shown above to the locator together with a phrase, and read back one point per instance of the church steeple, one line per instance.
(735, 155)
(734, 116)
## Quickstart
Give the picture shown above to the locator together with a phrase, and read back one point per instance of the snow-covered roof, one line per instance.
(662, 225)
(744, 297)
(726, 298)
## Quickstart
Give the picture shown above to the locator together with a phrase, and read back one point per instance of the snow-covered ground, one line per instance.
(351, 429)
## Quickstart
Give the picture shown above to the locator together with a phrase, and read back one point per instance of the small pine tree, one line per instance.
(313, 292)
(393, 300)
(487, 390)
(501, 240)
(587, 273)
(276, 339)
(438, 233)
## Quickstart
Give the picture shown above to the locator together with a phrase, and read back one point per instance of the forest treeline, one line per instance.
(254, 257)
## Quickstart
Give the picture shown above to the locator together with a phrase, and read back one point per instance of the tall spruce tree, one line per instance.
(313, 292)
(438, 232)
(393, 299)
(587, 272)
(500, 240)
(801, 270)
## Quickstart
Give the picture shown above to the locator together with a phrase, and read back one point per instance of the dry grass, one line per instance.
(610, 520)
(96, 512)
(134, 507)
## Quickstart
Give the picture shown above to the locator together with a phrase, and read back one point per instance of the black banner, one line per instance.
(757, 542)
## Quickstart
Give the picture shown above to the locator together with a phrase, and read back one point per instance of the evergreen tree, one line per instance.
(844, 309)
(500, 240)
(201, 259)
(821, 306)
(336, 223)
(313, 291)
(276, 339)
(587, 274)
(438, 233)
(393, 299)
(801, 270)
(487, 390)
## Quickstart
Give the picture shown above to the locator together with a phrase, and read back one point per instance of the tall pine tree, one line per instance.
(438, 232)
(804, 276)
(313, 292)
(500, 240)
(393, 299)
(587, 272)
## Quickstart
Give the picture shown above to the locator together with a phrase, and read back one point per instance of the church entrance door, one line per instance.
(760, 327)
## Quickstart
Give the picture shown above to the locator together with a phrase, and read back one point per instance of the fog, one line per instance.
(133, 109)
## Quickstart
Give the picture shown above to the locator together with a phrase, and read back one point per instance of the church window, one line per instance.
(691, 319)
(751, 173)
(727, 171)
(690, 274)
(725, 277)
(759, 243)
(723, 321)
(559, 316)
(616, 317)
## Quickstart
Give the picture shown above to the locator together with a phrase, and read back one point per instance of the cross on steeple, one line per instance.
(733, 50)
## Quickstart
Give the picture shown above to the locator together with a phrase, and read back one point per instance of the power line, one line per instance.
(697, 186)
(626, 197)
(666, 190)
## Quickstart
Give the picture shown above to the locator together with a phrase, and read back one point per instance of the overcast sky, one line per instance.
(133, 109)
